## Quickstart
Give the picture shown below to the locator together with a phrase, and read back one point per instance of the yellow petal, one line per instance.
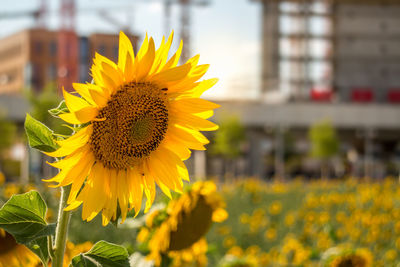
(187, 137)
(70, 160)
(171, 75)
(161, 173)
(145, 64)
(74, 103)
(200, 88)
(143, 48)
(163, 54)
(86, 114)
(135, 184)
(173, 61)
(122, 194)
(99, 98)
(149, 190)
(173, 161)
(125, 51)
(194, 122)
(193, 105)
(83, 91)
(79, 139)
(182, 151)
(66, 149)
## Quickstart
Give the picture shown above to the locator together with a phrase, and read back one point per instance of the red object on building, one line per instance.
(321, 95)
(67, 47)
(394, 95)
(362, 95)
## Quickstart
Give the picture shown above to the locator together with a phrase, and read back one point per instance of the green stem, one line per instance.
(50, 247)
(62, 228)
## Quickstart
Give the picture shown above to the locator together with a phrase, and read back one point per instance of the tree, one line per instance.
(228, 140)
(7, 134)
(44, 101)
(324, 144)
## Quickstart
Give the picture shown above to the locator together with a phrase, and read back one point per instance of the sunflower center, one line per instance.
(192, 226)
(136, 120)
(142, 129)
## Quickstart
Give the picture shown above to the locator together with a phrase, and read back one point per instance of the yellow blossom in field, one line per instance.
(275, 208)
(11, 189)
(244, 218)
(236, 251)
(224, 230)
(290, 219)
(391, 255)
(2, 178)
(143, 235)
(13, 254)
(324, 217)
(229, 241)
(270, 234)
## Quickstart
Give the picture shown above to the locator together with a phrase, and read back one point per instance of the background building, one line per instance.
(30, 59)
(328, 50)
(325, 59)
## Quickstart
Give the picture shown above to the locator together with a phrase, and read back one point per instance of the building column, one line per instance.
(270, 46)
(368, 153)
(200, 165)
(280, 152)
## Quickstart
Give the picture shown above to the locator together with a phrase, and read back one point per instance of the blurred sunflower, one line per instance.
(337, 257)
(140, 118)
(180, 234)
(13, 254)
(2, 178)
(72, 250)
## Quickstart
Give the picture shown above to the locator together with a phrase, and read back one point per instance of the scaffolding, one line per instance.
(306, 50)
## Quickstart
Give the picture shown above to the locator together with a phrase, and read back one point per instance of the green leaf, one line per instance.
(39, 136)
(102, 254)
(23, 216)
(39, 247)
(61, 109)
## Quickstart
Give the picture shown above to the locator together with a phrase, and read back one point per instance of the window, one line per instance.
(53, 48)
(38, 47)
(51, 72)
(115, 52)
(102, 49)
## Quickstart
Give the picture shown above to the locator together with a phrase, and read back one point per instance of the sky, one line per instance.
(226, 34)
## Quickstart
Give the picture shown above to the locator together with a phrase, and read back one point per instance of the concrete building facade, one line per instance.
(332, 50)
(330, 59)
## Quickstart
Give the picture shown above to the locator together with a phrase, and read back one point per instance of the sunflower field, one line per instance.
(296, 223)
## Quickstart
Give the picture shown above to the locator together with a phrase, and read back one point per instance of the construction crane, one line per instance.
(39, 15)
(125, 27)
(185, 8)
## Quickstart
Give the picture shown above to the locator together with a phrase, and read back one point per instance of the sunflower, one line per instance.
(13, 254)
(342, 256)
(184, 222)
(138, 121)
(72, 250)
(350, 260)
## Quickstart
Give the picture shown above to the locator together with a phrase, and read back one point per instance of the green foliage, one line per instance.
(23, 216)
(228, 138)
(39, 136)
(60, 109)
(7, 133)
(324, 140)
(103, 254)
